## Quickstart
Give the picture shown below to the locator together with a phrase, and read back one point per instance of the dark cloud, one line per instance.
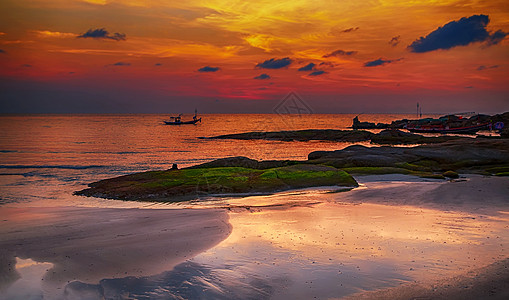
(380, 62)
(496, 38)
(274, 63)
(102, 33)
(208, 69)
(2, 51)
(458, 33)
(308, 67)
(469, 87)
(158, 64)
(339, 53)
(26, 66)
(317, 73)
(262, 76)
(327, 63)
(480, 68)
(351, 29)
(339, 31)
(119, 64)
(395, 41)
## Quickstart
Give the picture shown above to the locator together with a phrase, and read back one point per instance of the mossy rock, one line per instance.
(184, 184)
(502, 174)
(451, 174)
(498, 169)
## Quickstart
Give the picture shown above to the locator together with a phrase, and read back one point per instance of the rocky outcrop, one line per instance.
(191, 183)
(474, 154)
(302, 135)
(385, 137)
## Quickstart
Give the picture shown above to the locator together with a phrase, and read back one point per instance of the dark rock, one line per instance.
(505, 133)
(367, 125)
(451, 174)
(451, 155)
(244, 162)
(302, 135)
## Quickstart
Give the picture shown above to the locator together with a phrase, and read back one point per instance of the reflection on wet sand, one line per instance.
(300, 244)
(335, 249)
(90, 244)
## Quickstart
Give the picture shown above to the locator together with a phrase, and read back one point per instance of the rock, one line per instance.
(189, 183)
(505, 132)
(462, 154)
(302, 135)
(244, 162)
(367, 125)
(451, 174)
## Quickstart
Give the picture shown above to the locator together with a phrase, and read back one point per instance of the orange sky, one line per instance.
(46, 67)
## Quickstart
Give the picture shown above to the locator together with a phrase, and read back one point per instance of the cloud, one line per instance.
(380, 62)
(308, 67)
(317, 73)
(274, 63)
(26, 66)
(53, 34)
(102, 33)
(339, 53)
(2, 51)
(338, 31)
(208, 69)
(458, 33)
(158, 64)
(327, 63)
(262, 76)
(496, 38)
(351, 29)
(395, 41)
(119, 64)
(480, 68)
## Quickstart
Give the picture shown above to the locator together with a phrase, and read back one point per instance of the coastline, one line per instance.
(142, 242)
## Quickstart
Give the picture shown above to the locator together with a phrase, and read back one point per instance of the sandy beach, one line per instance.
(485, 196)
(89, 244)
(85, 246)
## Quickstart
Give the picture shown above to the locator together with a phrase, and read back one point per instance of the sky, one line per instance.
(226, 56)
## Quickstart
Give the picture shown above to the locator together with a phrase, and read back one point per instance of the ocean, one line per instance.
(44, 158)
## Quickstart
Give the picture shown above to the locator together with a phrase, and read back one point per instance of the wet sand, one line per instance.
(90, 244)
(490, 282)
(473, 194)
(87, 246)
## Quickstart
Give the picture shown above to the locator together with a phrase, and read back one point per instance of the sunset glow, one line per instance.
(149, 56)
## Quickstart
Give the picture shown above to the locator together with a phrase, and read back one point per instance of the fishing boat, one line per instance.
(446, 129)
(178, 120)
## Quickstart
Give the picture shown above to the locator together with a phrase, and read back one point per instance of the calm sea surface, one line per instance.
(44, 158)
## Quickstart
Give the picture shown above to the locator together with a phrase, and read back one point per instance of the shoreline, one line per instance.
(164, 238)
